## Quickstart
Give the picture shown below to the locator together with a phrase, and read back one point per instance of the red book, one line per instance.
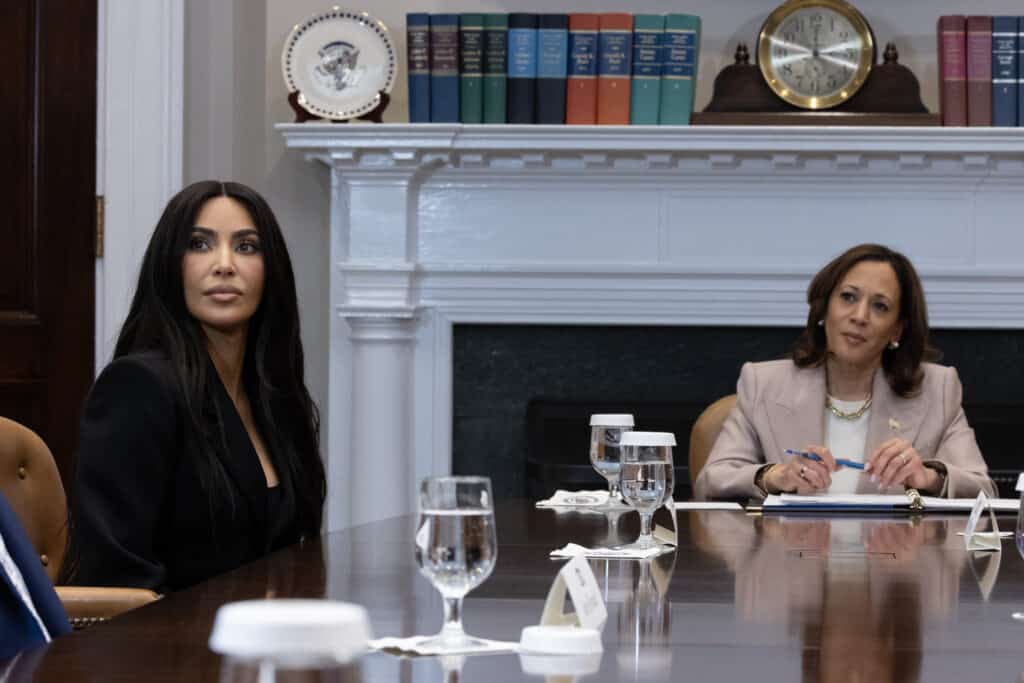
(614, 68)
(979, 71)
(581, 84)
(953, 69)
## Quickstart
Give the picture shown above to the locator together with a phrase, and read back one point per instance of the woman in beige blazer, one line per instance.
(856, 384)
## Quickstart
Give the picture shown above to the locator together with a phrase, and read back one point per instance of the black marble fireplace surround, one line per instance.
(523, 393)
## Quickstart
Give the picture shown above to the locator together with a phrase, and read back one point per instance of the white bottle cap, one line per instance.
(560, 640)
(607, 420)
(648, 439)
(291, 629)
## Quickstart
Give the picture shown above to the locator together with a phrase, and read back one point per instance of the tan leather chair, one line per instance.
(705, 431)
(30, 482)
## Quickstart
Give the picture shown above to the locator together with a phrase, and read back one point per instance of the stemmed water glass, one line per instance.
(605, 450)
(647, 478)
(456, 546)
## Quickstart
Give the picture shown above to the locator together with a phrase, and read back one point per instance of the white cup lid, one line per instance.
(609, 420)
(560, 640)
(648, 439)
(291, 628)
(560, 665)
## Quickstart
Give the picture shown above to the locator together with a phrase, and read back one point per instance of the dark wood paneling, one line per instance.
(48, 187)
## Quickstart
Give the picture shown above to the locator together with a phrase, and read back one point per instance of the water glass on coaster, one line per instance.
(605, 450)
(290, 641)
(456, 547)
(647, 478)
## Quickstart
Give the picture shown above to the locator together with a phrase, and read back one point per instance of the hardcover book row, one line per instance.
(981, 80)
(610, 68)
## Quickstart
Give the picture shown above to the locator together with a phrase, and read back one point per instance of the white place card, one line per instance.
(982, 540)
(576, 578)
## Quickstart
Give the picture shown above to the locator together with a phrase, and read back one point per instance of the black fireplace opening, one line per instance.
(523, 394)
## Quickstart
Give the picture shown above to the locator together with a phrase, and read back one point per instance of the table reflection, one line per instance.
(855, 590)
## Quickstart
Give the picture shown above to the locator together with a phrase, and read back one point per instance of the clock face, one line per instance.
(815, 54)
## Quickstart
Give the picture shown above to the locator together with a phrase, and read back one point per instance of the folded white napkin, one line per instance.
(572, 549)
(575, 499)
(473, 646)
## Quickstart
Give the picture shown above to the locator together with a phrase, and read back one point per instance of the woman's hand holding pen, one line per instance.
(896, 462)
(802, 475)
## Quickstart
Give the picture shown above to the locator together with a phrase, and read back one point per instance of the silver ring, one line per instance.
(903, 458)
(803, 471)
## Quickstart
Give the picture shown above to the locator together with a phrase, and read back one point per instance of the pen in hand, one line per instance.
(853, 464)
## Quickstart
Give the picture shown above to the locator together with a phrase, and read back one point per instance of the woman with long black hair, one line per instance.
(199, 447)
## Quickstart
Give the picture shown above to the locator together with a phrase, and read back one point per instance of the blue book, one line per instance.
(679, 77)
(1020, 71)
(522, 67)
(648, 51)
(444, 68)
(417, 28)
(552, 66)
(1004, 71)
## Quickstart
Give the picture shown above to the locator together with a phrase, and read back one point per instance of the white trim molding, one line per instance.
(140, 140)
(436, 225)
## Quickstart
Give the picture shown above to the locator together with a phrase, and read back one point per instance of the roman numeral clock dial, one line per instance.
(815, 54)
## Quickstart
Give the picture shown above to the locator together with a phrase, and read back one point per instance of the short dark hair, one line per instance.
(159, 320)
(902, 366)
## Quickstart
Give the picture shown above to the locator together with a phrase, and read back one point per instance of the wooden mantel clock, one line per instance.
(816, 64)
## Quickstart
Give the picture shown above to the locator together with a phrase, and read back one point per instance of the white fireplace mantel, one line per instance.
(434, 225)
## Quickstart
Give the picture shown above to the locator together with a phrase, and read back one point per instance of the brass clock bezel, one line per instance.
(866, 61)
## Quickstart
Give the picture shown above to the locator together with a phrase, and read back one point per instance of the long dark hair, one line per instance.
(902, 365)
(281, 405)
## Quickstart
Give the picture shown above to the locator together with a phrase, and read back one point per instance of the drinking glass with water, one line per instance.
(647, 478)
(456, 546)
(605, 449)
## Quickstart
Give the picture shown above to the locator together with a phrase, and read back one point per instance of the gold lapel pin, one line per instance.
(894, 424)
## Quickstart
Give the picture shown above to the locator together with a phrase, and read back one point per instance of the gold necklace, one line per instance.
(853, 415)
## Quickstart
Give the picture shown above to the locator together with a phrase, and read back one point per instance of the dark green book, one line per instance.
(495, 67)
(471, 67)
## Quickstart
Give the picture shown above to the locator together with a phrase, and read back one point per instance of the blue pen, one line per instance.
(839, 461)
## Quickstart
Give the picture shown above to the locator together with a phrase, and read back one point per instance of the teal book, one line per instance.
(471, 68)
(648, 50)
(495, 66)
(679, 76)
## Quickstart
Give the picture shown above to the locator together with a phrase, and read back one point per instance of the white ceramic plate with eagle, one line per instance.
(339, 61)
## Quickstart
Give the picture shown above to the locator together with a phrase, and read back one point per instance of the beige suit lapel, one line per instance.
(796, 414)
(891, 416)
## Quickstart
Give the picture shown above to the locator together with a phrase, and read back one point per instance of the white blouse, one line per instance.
(846, 439)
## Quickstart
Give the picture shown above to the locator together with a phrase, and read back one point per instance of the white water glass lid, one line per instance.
(611, 420)
(291, 629)
(648, 439)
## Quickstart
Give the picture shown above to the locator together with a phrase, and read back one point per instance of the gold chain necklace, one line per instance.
(853, 415)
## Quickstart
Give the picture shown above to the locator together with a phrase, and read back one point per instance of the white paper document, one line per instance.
(854, 501)
(573, 550)
(704, 505)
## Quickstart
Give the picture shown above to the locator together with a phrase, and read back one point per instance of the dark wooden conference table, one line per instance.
(744, 597)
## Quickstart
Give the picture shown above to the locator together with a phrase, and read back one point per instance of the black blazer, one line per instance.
(140, 515)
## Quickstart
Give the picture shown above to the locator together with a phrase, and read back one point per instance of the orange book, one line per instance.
(581, 84)
(614, 68)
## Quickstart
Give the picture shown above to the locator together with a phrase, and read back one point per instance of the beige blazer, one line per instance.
(781, 406)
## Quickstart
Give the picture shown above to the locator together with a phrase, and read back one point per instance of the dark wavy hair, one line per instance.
(902, 366)
(273, 366)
